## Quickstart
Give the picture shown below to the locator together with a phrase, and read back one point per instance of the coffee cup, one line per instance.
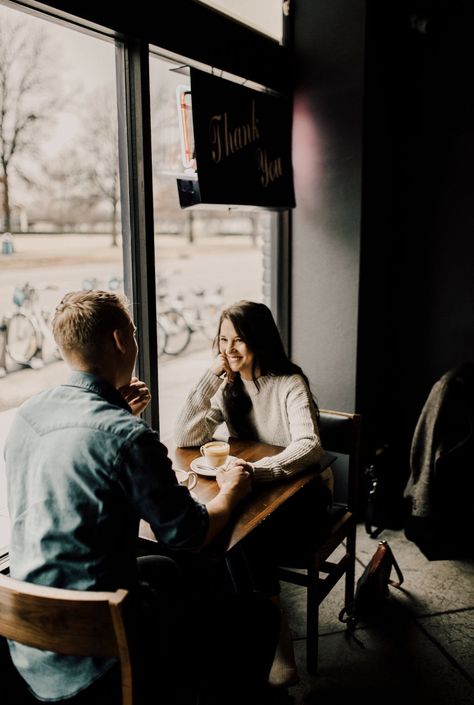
(188, 479)
(215, 453)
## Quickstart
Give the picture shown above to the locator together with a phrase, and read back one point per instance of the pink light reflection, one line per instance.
(307, 153)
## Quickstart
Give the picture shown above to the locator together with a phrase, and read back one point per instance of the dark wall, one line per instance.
(327, 160)
(416, 295)
(417, 277)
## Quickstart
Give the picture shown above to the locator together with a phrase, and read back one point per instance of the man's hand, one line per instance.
(136, 394)
(234, 485)
(235, 482)
(239, 463)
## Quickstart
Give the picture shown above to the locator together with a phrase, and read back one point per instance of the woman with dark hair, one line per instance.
(259, 393)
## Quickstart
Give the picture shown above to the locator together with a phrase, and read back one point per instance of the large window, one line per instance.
(206, 258)
(59, 196)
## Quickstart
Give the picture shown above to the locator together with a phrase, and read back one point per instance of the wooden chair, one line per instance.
(75, 622)
(340, 435)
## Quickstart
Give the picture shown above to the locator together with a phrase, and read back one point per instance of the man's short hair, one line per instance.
(84, 321)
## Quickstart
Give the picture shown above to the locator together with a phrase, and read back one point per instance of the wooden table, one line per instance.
(264, 499)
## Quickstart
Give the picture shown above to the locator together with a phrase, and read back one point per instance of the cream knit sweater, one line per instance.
(282, 414)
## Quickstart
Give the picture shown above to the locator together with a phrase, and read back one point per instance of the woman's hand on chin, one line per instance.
(221, 366)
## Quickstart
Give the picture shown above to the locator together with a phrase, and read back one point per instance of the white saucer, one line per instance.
(198, 466)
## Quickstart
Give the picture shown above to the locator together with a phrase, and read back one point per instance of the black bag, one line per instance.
(372, 590)
(386, 507)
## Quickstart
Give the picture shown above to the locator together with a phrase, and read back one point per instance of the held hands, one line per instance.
(239, 463)
(136, 394)
(221, 365)
(234, 481)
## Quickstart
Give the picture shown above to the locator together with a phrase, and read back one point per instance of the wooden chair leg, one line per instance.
(350, 572)
(312, 619)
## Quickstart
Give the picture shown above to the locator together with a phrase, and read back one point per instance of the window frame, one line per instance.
(264, 61)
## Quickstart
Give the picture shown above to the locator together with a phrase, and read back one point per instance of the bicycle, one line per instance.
(173, 331)
(179, 317)
(28, 328)
(183, 315)
(201, 310)
(113, 284)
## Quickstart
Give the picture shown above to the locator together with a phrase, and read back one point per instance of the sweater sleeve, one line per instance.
(199, 416)
(304, 448)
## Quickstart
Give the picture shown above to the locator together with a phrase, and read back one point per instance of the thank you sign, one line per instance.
(242, 140)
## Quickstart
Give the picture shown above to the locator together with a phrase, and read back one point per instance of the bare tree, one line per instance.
(29, 97)
(101, 165)
(65, 198)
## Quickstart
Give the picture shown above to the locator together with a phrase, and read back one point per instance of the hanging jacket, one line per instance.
(441, 483)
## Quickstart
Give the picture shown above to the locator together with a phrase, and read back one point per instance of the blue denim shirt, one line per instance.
(81, 472)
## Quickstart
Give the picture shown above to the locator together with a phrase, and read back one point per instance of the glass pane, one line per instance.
(264, 16)
(206, 259)
(59, 204)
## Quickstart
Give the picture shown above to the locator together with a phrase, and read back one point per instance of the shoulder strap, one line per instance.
(396, 566)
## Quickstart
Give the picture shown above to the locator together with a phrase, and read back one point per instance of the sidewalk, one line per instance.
(37, 250)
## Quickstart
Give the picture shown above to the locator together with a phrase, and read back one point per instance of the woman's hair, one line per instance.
(255, 324)
(85, 320)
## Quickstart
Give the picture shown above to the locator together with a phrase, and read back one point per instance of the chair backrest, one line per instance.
(74, 622)
(340, 434)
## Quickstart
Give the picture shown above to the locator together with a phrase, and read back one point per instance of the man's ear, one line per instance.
(119, 339)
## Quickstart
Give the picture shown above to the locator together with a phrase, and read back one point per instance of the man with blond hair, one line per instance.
(82, 470)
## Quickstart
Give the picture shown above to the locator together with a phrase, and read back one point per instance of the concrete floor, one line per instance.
(423, 650)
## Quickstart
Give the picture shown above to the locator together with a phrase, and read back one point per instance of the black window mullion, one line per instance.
(136, 186)
(277, 273)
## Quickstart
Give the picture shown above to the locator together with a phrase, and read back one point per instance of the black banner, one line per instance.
(243, 144)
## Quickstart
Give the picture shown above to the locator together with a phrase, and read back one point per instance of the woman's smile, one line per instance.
(237, 354)
(234, 358)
